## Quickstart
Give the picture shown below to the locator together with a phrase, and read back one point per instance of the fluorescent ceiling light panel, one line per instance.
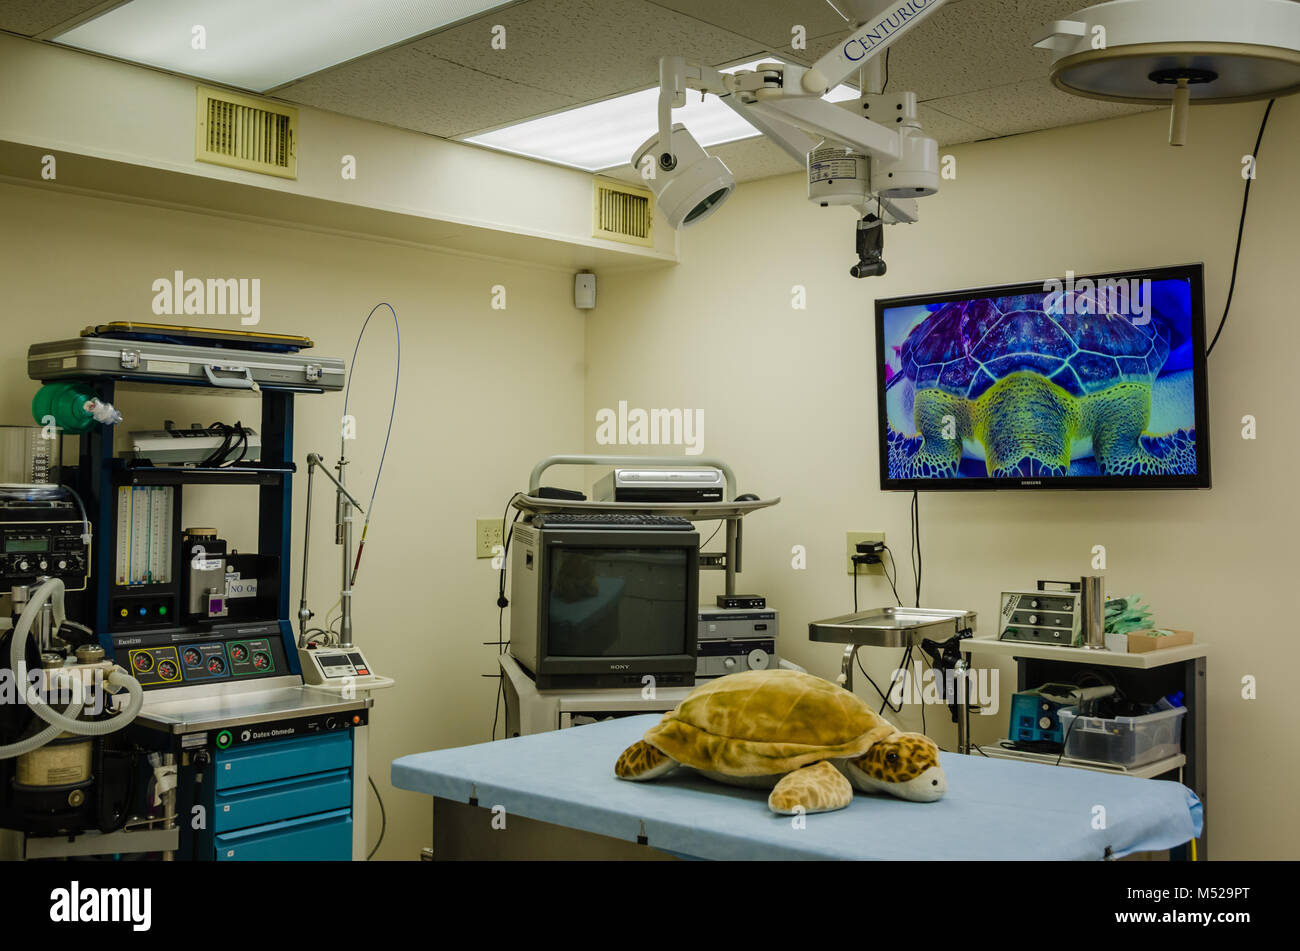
(605, 134)
(261, 44)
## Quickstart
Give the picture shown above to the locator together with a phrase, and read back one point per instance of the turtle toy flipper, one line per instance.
(809, 741)
(641, 761)
(817, 788)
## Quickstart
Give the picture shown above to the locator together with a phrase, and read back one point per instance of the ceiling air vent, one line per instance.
(246, 133)
(623, 213)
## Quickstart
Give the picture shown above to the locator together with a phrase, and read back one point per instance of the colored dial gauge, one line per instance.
(240, 653)
(261, 661)
(143, 662)
(216, 665)
(167, 670)
(192, 657)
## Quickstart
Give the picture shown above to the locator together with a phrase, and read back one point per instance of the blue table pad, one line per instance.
(994, 809)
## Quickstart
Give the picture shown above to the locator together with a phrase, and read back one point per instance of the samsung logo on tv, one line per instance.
(1031, 482)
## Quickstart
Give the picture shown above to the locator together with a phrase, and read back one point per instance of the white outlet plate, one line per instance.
(851, 541)
(487, 535)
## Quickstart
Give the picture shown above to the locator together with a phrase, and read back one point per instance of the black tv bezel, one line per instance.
(578, 671)
(1193, 273)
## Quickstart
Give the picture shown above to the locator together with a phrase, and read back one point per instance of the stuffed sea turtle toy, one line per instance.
(810, 741)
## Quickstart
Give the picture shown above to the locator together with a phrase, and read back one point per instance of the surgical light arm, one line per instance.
(893, 19)
(784, 102)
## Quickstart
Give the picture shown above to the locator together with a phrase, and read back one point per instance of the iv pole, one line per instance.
(344, 503)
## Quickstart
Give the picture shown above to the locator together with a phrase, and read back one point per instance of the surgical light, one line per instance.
(688, 183)
(1178, 52)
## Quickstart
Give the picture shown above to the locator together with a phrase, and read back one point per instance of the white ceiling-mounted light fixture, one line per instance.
(869, 153)
(1178, 52)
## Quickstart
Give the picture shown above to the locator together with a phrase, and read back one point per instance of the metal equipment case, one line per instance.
(90, 358)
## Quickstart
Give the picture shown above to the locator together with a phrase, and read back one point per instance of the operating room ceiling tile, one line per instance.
(1028, 106)
(949, 130)
(973, 44)
(29, 17)
(412, 89)
(769, 21)
(755, 158)
(584, 49)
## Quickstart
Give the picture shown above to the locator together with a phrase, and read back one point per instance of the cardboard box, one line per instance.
(1140, 642)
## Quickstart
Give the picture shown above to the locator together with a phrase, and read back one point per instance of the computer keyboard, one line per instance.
(608, 520)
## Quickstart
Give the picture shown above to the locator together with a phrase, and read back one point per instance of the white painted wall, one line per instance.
(789, 401)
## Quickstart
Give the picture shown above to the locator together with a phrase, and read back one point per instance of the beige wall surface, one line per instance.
(484, 394)
(789, 400)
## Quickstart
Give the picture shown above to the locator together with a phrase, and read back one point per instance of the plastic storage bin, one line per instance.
(1123, 741)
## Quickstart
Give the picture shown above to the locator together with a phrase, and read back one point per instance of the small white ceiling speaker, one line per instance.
(689, 184)
(1178, 51)
(584, 290)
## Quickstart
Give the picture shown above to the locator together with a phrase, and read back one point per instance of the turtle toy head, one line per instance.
(905, 765)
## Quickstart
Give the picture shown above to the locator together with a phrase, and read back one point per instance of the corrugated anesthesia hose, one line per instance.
(52, 591)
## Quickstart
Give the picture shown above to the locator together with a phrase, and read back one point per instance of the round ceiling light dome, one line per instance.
(1158, 51)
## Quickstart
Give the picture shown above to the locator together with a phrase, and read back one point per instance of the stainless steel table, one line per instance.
(898, 627)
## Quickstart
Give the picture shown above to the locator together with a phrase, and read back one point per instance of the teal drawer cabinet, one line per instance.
(285, 799)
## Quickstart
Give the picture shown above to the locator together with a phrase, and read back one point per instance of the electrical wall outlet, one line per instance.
(487, 534)
(852, 539)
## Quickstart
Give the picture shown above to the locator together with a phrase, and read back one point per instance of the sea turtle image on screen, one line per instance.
(1074, 389)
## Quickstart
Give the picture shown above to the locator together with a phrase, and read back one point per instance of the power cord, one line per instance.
(383, 819)
(885, 704)
(392, 415)
(502, 603)
(232, 436)
(710, 538)
(916, 544)
(1241, 227)
(869, 555)
(892, 580)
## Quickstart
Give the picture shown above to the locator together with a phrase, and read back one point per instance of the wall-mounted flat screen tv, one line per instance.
(1086, 382)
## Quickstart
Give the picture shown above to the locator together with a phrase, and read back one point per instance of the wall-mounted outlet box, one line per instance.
(487, 537)
(851, 549)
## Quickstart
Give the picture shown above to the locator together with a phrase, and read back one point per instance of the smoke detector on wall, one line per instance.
(1178, 52)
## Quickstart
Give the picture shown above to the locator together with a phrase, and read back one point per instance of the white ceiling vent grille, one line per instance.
(623, 213)
(246, 133)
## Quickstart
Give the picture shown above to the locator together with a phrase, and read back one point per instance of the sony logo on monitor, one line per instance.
(620, 666)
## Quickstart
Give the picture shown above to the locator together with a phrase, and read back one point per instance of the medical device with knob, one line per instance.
(869, 153)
